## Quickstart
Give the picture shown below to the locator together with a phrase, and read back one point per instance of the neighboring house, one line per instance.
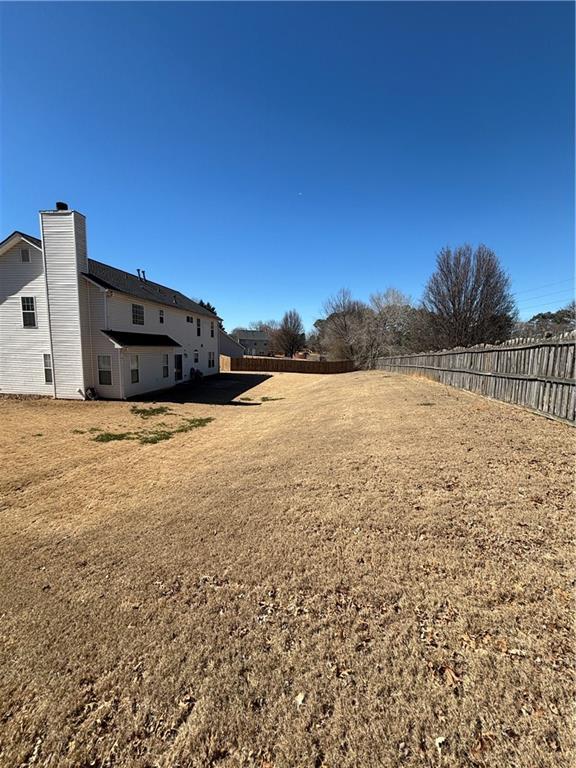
(254, 342)
(69, 323)
(228, 346)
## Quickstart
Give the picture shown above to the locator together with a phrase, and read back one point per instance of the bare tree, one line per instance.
(289, 337)
(342, 328)
(468, 299)
(394, 312)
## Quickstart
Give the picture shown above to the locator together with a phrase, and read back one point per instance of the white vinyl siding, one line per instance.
(21, 349)
(176, 326)
(99, 344)
(64, 241)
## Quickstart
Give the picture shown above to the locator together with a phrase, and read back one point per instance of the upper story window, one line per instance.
(161, 316)
(137, 314)
(104, 369)
(48, 369)
(189, 319)
(28, 311)
(25, 255)
(212, 328)
(198, 326)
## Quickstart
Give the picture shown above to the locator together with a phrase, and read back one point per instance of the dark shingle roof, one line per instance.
(124, 282)
(243, 333)
(131, 339)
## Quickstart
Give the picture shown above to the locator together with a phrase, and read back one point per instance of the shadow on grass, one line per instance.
(221, 389)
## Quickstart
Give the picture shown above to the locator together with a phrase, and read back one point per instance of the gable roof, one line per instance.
(17, 235)
(124, 282)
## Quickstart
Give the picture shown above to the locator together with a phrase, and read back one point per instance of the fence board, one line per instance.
(535, 373)
(284, 365)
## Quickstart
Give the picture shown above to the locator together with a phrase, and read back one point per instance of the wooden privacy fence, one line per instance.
(284, 365)
(535, 373)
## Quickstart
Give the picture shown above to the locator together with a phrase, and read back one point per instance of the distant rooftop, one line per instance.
(247, 333)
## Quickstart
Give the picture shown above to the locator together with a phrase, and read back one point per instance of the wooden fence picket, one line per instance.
(535, 373)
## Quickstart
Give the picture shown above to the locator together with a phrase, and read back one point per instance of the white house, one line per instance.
(69, 323)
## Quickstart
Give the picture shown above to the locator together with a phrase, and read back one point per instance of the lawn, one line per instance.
(354, 570)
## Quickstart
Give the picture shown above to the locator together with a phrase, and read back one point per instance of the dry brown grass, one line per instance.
(373, 571)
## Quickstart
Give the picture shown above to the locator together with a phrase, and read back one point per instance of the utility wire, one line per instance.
(545, 285)
(541, 307)
(546, 295)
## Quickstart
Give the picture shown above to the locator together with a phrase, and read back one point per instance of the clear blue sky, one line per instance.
(263, 155)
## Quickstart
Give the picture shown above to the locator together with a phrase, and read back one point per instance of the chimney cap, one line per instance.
(60, 206)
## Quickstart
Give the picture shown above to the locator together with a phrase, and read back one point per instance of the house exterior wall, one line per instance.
(22, 349)
(229, 346)
(175, 325)
(255, 346)
(101, 344)
(71, 313)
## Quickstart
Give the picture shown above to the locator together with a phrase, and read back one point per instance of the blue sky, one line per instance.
(263, 155)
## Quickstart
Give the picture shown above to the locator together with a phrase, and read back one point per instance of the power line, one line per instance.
(547, 295)
(545, 285)
(541, 307)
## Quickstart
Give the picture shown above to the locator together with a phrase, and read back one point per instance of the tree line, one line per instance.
(467, 300)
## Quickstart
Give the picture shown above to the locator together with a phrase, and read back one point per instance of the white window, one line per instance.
(28, 311)
(198, 326)
(189, 319)
(161, 316)
(195, 355)
(25, 255)
(134, 370)
(104, 369)
(211, 361)
(137, 314)
(165, 369)
(212, 328)
(48, 369)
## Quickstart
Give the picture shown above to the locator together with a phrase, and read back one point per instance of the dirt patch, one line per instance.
(340, 578)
